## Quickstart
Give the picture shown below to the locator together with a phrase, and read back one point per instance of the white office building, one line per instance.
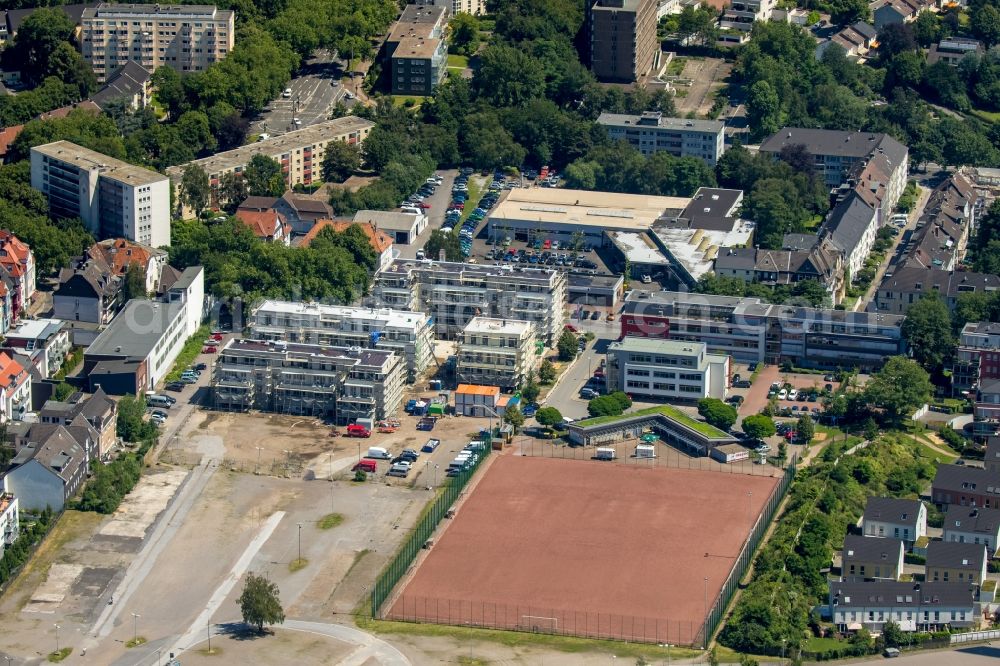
(666, 369)
(681, 137)
(114, 199)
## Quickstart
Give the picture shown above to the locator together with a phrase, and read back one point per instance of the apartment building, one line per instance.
(662, 370)
(474, 7)
(114, 199)
(17, 268)
(864, 559)
(453, 294)
(417, 49)
(409, 334)
(977, 357)
(650, 132)
(909, 284)
(299, 152)
(15, 389)
(339, 383)
(497, 352)
(42, 342)
(965, 486)
(913, 606)
(10, 520)
(822, 263)
(750, 330)
(741, 14)
(975, 525)
(622, 35)
(956, 562)
(187, 38)
(942, 232)
(894, 518)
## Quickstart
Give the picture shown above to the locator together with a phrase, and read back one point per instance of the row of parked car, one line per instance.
(466, 458)
(415, 203)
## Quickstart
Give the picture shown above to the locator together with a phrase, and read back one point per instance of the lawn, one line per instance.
(949, 456)
(457, 61)
(189, 353)
(410, 101)
(676, 66)
(820, 645)
(475, 194)
(837, 433)
(988, 116)
(668, 411)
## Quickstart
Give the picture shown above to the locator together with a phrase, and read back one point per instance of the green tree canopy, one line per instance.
(263, 177)
(443, 240)
(513, 416)
(717, 413)
(340, 161)
(899, 388)
(546, 372)
(927, 330)
(758, 426)
(548, 416)
(260, 603)
(195, 189)
(567, 345)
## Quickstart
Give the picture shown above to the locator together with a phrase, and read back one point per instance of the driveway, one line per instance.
(315, 91)
(435, 214)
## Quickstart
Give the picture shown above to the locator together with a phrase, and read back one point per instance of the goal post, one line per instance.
(540, 624)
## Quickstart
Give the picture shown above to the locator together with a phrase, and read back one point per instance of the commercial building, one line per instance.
(863, 558)
(568, 215)
(141, 344)
(339, 383)
(45, 342)
(975, 525)
(402, 228)
(453, 294)
(913, 606)
(417, 50)
(651, 133)
(10, 520)
(114, 199)
(409, 334)
(956, 562)
(187, 38)
(300, 153)
(666, 370)
(622, 39)
(752, 331)
(497, 352)
(598, 290)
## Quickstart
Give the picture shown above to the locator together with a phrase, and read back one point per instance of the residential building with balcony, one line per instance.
(43, 342)
(666, 370)
(17, 265)
(752, 331)
(977, 356)
(913, 606)
(10, 520)
(741, 14)
(497, 352)
(97, 410)
(114, 199)
(409, 334)
(417, 49)
(187, 38)
(650, 133)
(339, 383)
(300, 154)
(15, 389)
(622, 39)
(454, 293)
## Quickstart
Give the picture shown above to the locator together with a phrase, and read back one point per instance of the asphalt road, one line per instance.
(315, 91)
(566, 395)
(439, 203)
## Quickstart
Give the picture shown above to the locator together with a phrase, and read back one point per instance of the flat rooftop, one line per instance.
(108, 167)
(504, 271)
(607, 210)
(279, 145)
(665, 123)
(364, 356)
(416, 47)
(495, 325)
(110, 10)
(35, 329)
(638, 248)
(385, 316)
(658, 346)
(136, 330)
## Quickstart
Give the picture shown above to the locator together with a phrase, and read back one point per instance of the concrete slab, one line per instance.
(57, 584)
(144, 504)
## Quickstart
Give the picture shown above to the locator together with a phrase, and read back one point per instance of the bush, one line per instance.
(17, 553)
(604, 405)
(360, 476)
(109, 484)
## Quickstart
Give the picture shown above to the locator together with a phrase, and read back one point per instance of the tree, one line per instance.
(263, 177)
(893, 635)
(134, 285)
(232, 190)
(130, 425)
(985, 23)
(567, 345)
(782, 452)
(927, 330)
(805, 428)
(513, 416)
(622, 399)
(758, 426)
(895, 38)
(195, 189)
(38, 38)
(546, 372)
(899, 388)
(763, 109)
(508, 76)
(463, 31)
(260, 603)
(340, 161)
(530, 391)
(927, 29)
(548, 416)
(717, 413)
(62, 391)
(845, 12)
(604, 405)
(443, 240)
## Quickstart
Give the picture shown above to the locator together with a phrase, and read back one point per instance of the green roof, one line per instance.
(665, 410)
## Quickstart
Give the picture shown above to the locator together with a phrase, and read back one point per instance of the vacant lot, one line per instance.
(707, 76)
(587, 549)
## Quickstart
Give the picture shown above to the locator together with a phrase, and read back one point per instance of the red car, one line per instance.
(423, 205)
(355, 430)
(209, 350)
(366, 465)
(571, 328)
(217, 337)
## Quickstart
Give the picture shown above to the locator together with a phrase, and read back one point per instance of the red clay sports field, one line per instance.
(586, 548)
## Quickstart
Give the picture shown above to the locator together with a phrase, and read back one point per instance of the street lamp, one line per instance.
(783, 641)
(57, 637)
(135, 631)
(300, 542)
(158, 650)
(257, 468)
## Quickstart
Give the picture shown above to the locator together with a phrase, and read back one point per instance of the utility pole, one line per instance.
(135, 629)
(300, 543)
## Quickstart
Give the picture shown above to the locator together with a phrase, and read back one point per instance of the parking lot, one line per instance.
(311, 96)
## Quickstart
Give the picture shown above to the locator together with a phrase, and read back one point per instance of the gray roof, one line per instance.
(849, 221)
(16, 16)
(971, 519)
(912, 278)
(188, 275)
(962, 478)
(128, 81)
(656, 119)
(720, 202)
(136, 330)
(258, 203)
(386, 219)
(890, 593)
(58, 451)
(867, 31)
(859, 548)
(835, 142)
(955, 555)
(892, 510)
(799, 241)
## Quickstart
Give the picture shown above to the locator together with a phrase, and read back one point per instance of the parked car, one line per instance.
(175, 386)
(356, 430)
(400, 469)
(793, 394)
(201, 366)
(366, 465)
(209, 350)
(782, 394)
(595, 315)
(588, 393)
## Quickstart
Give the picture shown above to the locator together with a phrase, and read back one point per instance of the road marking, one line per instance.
(194, 634)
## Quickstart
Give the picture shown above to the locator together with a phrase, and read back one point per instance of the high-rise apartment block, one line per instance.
(623, 43)
(497, 352)
(417, 50)
(114, 199)
(187, 38)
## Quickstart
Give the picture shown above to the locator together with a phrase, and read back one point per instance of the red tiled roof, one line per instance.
(262, 222)
(7, 137)
(120, 253)
(64, 111)
(379, 240)
(14, 254)
(12, 374)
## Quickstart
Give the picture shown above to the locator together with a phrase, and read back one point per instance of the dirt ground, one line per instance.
(707, 75)
(279, 647)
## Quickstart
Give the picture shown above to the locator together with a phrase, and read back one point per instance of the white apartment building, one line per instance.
(187, 38)
(681, 137)
(666, 369)
(409, 334)
(10, 520)
(741, 14)
(114, 199)
(474, 7)
(453, 293)
(913, 606)
(341, 383)
(299, 152)
(497, 352)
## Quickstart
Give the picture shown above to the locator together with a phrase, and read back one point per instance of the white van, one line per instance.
(605, 453)
(645, 451)
(159, 401)
(378, 453)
